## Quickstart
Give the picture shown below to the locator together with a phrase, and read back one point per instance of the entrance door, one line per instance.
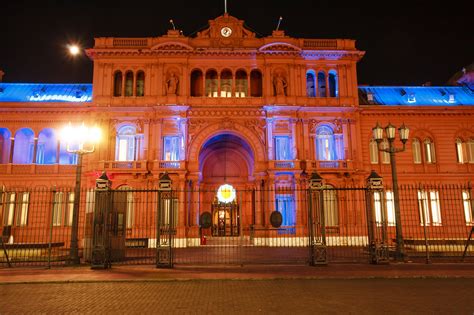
(225, 219)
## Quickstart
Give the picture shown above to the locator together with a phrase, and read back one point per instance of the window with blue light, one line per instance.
(282, 148)
(24, 146)
(333, 84)
(325, 144)
(47, 147)
(310, 84)
(285, 204)
(5, 145)
(171, 148)
(66, 158)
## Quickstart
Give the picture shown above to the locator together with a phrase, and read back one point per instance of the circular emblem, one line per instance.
(226, 31)
(205, 221)
(276, 219)
(226, 193)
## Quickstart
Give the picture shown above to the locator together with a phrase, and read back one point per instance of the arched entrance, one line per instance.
(225, 159)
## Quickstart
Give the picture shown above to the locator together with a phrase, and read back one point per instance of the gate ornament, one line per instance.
(206, 220)
(226, 193)
(276, 219)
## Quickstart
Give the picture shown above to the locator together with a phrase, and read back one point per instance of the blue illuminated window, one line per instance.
(5, 145)
(47, 147)
(325, 144)
(333, 84)
(282, 148)
(171, 148)
(310, 86)
(66, 158)
(285, 204)
(322, 84)
(24, 146)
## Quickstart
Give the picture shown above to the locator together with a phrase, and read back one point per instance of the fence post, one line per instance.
(316, 220)
(164, 255)
(378, 249)
(100, 228)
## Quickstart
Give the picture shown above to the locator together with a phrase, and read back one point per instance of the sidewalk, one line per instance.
(133, 273)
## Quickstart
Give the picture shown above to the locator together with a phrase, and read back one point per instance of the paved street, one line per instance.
(302, 296)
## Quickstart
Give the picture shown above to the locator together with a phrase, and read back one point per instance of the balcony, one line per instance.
(168, 165)
(330, 165)
(136, 167)
(283, 165)
(38, 169)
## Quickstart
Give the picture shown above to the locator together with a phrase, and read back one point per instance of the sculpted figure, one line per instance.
(280, 85)
(172, 84)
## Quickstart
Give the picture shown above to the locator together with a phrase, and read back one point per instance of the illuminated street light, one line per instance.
(74, 49)
(79, 140)
(390, 134)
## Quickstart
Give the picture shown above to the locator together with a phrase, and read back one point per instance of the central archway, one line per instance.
(225, 159)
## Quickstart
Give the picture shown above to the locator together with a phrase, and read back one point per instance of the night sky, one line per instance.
(406, 42)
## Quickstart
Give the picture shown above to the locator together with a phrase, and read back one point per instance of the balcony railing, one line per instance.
(168, 165)
(125, 166)
(336, 164)
(45, 169)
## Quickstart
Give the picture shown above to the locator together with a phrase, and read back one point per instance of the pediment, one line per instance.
(172, 46)
(235, 26)
(279, 47)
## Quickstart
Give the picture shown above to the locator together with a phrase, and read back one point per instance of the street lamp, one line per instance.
(79, 140)
(390, 131)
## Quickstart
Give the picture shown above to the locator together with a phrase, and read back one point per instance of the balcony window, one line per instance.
(140, 84)
(126, 144)
(322, 84)
(256, 83)
(171, 148)
(211, 83)
(5, 144)
(282, 148)
(310, 86)
(325, 144)
(24, 146)
(226, 83)
(241, 84)
(47, 147)
(118, 83)
(129, 83)
(333, 84)
(196, 83)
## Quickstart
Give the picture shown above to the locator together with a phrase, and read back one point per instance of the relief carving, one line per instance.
(257, 126)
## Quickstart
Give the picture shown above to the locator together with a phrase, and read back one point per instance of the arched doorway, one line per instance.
(225, 159)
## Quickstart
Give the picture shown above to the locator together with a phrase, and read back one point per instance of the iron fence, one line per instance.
(259, 225)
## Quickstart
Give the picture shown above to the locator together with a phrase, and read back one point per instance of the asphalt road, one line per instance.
(336, 296)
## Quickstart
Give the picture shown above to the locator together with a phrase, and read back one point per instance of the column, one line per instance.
(270, 138)
(12, 148)
(146, 139)
(35, 151)
(306, 146)
(158, 141)
(294, 150)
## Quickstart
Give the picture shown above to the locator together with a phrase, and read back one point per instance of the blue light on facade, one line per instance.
(39, 92)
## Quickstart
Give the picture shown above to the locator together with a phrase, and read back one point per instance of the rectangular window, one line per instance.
(430, 152)
(385, 155)
(430, 211)
(23, 205)
(282, 148)
(285, 204)
(169, 216)
(69, 209)
(9, 209)
(466, 201)
(374, 152)
(460, 152)
(171, 148)
(389, 210)
(331, 215)
(58, 201)
(90, 201)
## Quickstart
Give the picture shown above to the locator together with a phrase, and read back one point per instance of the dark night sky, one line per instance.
(406, 42)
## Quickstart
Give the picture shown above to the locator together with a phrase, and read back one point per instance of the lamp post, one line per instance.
(390, 131)
(79, 140)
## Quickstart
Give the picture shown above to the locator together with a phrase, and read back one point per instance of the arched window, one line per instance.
(333, 84)
(211, 83)
(140, 84)
(241, 84)
(325, 144)
(310, 89)
(24, 146)
(460, 151)
(321, 84)
(196, 83)
(470, 150)
(256, 85)
(374, 152)
(118, 83)
(331, 215)
(416, 148)
(66, 158)
(385, 155)
(430, 156)
(226, 83)
(129, 83)
(5, 144)
(47, 147)
(126, 144)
